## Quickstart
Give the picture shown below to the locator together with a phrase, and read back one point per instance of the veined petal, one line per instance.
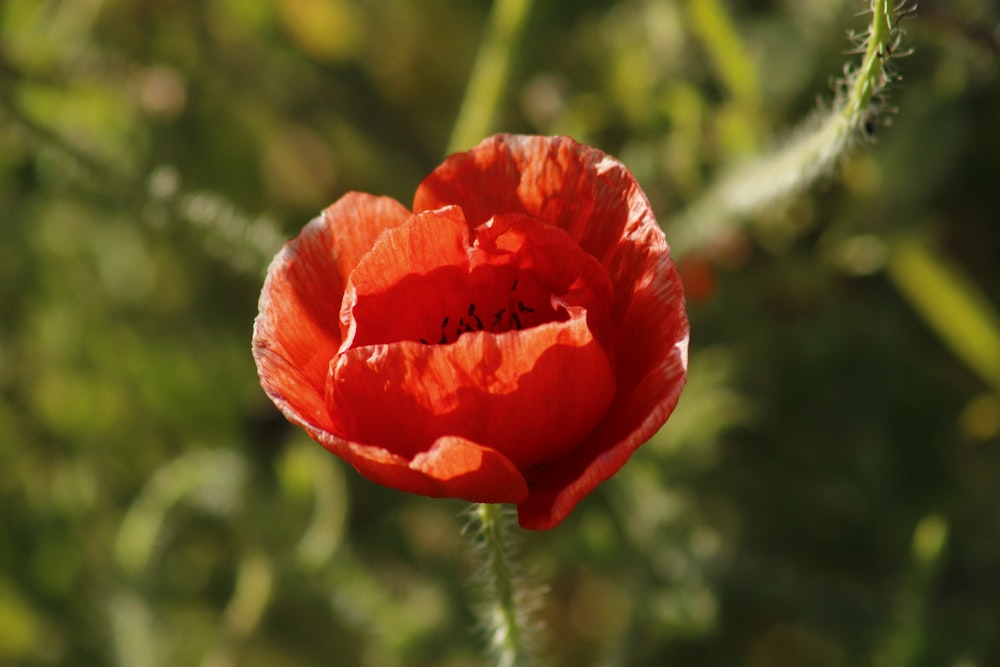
(555, 179)
(514, 341)
(579, 189)
(452, 467)
(389, 296)
(433, 279)
(595, 199)
(652, 370)
(531, 395)
(297, 332)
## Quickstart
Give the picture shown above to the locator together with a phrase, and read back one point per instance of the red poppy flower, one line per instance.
(514, 339)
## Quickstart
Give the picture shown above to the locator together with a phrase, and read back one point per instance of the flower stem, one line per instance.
(504, 615)
(812, 151)
(489, 74)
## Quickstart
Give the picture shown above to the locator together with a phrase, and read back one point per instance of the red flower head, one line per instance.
(514, 339)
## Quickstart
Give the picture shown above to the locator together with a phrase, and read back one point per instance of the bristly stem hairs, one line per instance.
(859, 106)
(510, 602)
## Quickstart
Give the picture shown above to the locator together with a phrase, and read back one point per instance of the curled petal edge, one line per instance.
(296, 322)
(453, 467)
(549, 504)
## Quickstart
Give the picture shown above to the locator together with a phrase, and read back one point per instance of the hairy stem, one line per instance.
(489, 74)
(812, 151)
(506, 610)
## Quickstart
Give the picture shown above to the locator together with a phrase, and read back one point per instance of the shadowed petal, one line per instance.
(434, 271)
(431, 242)
(516, 341)
(532, 395)
(652, 370)
(595, 199)
(297, 330)
(452, 467)
(555, 179)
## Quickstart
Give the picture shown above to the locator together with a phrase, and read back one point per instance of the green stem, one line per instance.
(873, 76)
(489, 74)
(811, 152)
(505, 614)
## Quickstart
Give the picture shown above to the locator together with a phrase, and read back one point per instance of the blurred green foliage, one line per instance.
(828, 492)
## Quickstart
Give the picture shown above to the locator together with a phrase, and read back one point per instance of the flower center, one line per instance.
(433, 280)
(500, 335)
(514, 316)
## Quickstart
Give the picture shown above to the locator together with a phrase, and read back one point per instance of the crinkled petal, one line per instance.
(434, 270)
(297, 330)
(452, 467)
(587, 193)
(555, 179)
(389, 295)
(652, 370)
(531, 395)
(597, 201)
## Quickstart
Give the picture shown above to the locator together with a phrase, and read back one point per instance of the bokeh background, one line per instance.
(827, 493)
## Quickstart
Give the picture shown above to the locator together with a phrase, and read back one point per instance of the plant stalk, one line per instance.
(505, 613)
(811, 152)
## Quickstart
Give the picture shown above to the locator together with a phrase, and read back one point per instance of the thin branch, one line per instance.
(812, 151)
(510, 602)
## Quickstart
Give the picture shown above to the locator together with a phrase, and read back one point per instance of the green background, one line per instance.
(827, 493)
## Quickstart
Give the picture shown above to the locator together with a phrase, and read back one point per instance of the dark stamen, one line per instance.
(517, 321)
(523, 308)
(445, 323)
(424, 341)
(472, 314)
(514, 286)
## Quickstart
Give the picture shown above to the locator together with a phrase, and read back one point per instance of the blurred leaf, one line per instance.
(326, 29)
(19, 626)
(211, 480)
(952, 306)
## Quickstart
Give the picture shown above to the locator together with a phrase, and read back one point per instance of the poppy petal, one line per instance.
(433, 272)
(432, 242)
(452, 467)
(569, 350)
(531, 395)
(652, 369)
(587, 193)
(297, 330)
(555, 179)
(597, 201)
(531, 391)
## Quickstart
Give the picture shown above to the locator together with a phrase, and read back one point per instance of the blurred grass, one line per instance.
(828, 492)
